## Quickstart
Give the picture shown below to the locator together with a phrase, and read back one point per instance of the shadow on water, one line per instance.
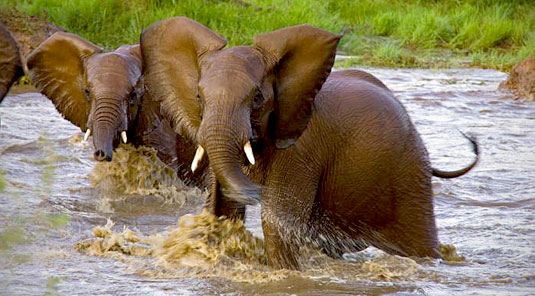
(55, 203)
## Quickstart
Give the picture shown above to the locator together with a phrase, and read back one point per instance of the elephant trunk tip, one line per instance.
(245, 196)
(100, 155)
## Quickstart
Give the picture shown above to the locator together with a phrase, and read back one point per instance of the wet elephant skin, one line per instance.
(342, 167)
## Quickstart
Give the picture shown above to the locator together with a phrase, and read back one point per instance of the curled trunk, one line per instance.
(224, 140)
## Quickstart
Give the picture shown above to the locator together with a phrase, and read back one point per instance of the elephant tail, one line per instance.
(458, 173)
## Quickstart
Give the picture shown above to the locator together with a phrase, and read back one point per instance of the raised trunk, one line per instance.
(224, 140)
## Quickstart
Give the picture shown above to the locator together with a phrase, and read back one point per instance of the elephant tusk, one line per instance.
(197, 159)
(123, 136)
(87, 134)
(249, 152)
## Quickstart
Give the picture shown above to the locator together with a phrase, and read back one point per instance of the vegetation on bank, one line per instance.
(399, 33)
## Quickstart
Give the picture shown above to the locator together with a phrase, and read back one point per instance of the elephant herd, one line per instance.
(332, 157)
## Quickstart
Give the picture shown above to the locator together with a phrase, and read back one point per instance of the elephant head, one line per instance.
(238, 100)
(11, 66)
(92, 89)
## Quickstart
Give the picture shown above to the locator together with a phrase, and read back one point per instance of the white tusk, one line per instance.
(249, 152)
(87, 134)
(197, 159)
(123, 136)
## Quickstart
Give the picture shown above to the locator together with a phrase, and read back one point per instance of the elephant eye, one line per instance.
(200, 101)
(87, 95)
(133, 97)
(258, 99)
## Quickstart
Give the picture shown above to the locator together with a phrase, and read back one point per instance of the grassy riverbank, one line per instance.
(448, 33)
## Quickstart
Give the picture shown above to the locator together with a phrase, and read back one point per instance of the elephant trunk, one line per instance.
(224, 139)
(103, 141)
(108, 119)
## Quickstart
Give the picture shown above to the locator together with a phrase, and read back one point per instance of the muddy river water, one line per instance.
(55, 201)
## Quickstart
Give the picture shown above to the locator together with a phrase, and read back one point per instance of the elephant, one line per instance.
(104, 94)
(333, 158)
(11, 62)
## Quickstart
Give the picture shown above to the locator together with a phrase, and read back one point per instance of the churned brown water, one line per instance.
(70, 226)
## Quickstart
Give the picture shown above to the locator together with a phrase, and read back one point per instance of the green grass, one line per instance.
(411, 33)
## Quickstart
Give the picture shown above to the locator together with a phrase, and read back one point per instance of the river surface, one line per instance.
(48, 205)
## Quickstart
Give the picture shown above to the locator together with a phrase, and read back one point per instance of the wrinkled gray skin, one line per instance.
(105, 92)
(342, 168)
(11, 65)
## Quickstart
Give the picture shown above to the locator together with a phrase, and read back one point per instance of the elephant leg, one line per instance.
(399, 241)
(330, 236)
(220, 206)
(413, 232)
(281, 248)
(288, 202)
(287, 222)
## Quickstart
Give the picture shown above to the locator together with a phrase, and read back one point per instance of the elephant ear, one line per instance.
(57, 70)
(11, 61)
(171, 50)
(301, 58)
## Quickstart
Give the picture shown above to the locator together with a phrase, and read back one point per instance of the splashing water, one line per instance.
(138, 171)
(208, 246)
(199, 246)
